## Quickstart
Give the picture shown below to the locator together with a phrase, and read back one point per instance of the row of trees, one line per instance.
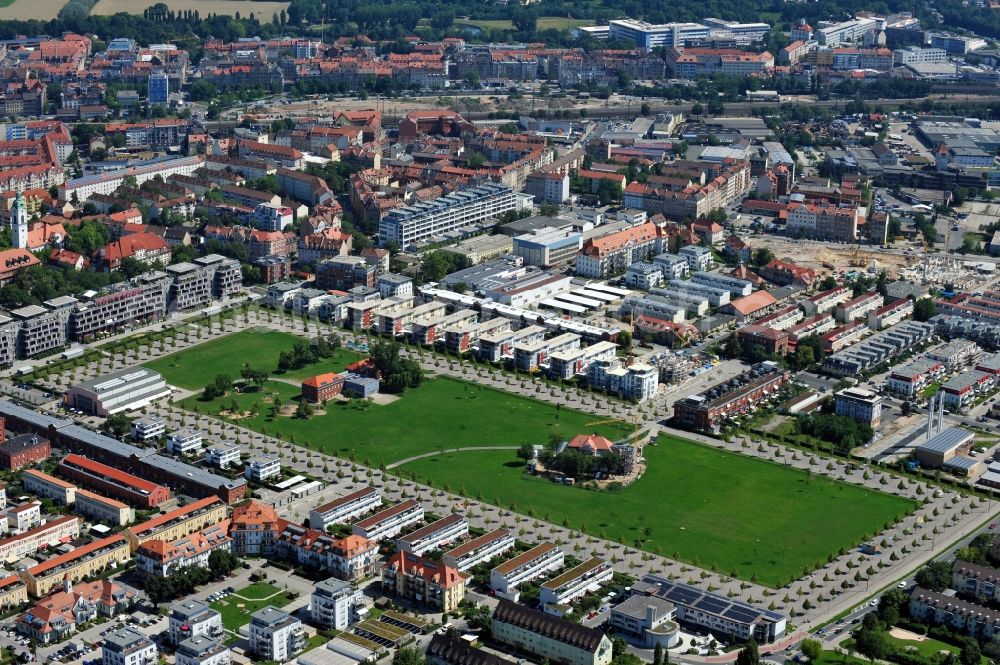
(184, 581)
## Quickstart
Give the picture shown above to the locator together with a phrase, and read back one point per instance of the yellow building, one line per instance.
(426, 582)
(82, 562)
(13, 592)
(178, 523)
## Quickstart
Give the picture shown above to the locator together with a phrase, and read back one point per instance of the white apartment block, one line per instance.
(479, 550)
(260, 469)
(698, 257)
(846, 31)
(825, 301)
(859, 307)
(914, 55)
(469, 207)
(48, 487)
(202, 651)
(103, 509)
(345, 509)
(637, 382)
(186, 441)
(148, 428)
(435, 535)
(192, 618)
(223, 455)
(275, 635)
(531, 565)
(106, 183)
(891, 314)
(390, 522)
(576, 582)
(127, 646)
(911, 379)
(650, 36)
(24, 516)
(336, 605)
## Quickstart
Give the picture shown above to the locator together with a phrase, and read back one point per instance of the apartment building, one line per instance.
(956, 354)
(41, 329)
(737, 287)
(960, 615)
(202, 651)
(843, 336)
(50, 534)
(349, 558)
(185, 441)
(708, 410)
(910, 379)
(262, 469)
(974, 580)
(390, 522)
(190, 618)
(123, 390)
(121, 305)
(429, 583)
(464, 337)
(636, 383)
(275, 635)
(160, 558)
(178, 523)
(106, 183)
(345, 508)
(83, 562)
(127, 646)
(102, 509)
(146, 429)
(435, 535)
(21, 450)
(824, 222)
(611, 254)
(567, 364)
(109, 481)
(646, 619)
(547, 637)
(223, 455)
(891, 314)
(24, 516)
(464, 209)
(495, 346)
(529, 356)
(825, 301)
(576, 582)
(859, 404)
(859, 307)
(336, 605)
(479, 550)
(48, 487)
(960, 391)
(525, 567)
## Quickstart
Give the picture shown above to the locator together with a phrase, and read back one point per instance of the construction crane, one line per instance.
(858, 259)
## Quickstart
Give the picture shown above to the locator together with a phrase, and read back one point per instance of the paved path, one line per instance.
(435, 453)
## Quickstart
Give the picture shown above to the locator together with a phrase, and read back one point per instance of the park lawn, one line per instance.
(233, 617)
(927, 648)
(830, 657)
(195, 367)
(441, 413)
(746, 517)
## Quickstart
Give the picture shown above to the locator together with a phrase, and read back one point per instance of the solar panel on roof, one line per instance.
(740, 614)
(713, 605)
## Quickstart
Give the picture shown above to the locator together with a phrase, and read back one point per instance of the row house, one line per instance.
(891, 314)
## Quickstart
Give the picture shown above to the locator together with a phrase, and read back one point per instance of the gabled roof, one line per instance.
(549, 626)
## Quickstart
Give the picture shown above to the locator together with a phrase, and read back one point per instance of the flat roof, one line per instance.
(947, 440)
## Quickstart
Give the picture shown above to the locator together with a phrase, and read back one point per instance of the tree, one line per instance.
(625, 339)
(762, 256)
(304, 410)
(749, 655)
(658, 655)
(970, 654)
(118, 425)
(408, 656)
(222, 562)
(871, 643)
(812, 649)
(924, 309)
(526, 452)
(935, 576)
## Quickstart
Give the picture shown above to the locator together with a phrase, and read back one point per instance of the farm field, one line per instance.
(442, 413)
(257, 596)
(195, 367)
(747, 517)
(24, 10)
(262, 10)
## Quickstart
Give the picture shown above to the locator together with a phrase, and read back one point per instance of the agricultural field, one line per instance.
(442, 413)
(263, 10)
(24, 10)
(691, 504)
(197, 366)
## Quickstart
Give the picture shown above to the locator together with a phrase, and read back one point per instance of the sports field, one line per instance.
(694, 503)
(442, 413)
(193, 368)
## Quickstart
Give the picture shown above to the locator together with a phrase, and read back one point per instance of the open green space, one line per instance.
(236, 611)
(442, 413)
(193, 368)
(543, 23)
(743, 516)
(927, 647)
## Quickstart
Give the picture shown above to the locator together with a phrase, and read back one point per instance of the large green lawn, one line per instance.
(195, 367)
(236, 611)
(441, 413)
(695, 503)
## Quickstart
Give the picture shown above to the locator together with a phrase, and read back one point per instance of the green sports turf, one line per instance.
(442, 413)
(195, 367)
(744, 516)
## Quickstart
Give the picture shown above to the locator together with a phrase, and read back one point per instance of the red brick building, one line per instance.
(322, 387)
(22, 450)
(112, 482)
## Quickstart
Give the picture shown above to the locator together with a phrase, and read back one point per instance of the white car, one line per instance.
(874, 602)
(902, 585)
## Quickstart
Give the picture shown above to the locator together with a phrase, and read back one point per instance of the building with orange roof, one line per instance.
(613, 253)
(161, 558)
(178, 523)
(254, 528)
(77, 564)
(752, 306)
(13, 261)
(56, 616)
(113, 482)
(322, 387)
(425, 582)
(591, 444)
(784, 273)
(145, 247)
